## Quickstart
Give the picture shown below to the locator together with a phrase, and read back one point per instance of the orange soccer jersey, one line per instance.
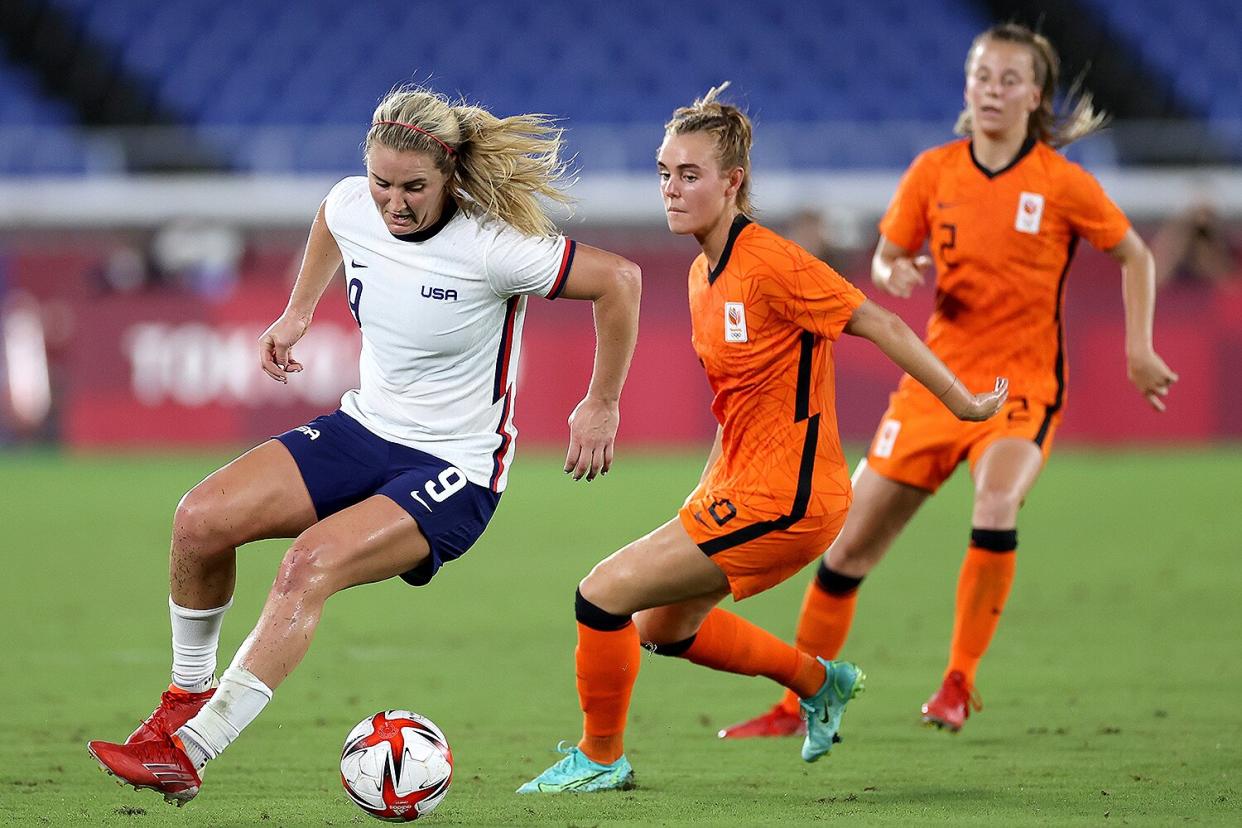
(764, 321)
(1002, 242)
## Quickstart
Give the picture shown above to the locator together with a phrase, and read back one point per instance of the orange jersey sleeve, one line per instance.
(1090, 211)
(807, 292)
(905, 223)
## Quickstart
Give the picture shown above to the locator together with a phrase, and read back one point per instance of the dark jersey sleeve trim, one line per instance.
(567, 262)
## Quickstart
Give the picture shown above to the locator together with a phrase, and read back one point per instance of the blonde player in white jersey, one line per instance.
(442, 242)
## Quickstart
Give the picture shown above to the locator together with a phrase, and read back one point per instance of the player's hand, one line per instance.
(592, 432)
(977, 407)
(1150, 376)
(276, 346)
(905, 275)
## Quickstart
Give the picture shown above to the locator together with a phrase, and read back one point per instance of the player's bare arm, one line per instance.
(319, 265)
(614, 286)
(896, 270)
(1144, 366)
(903, 347)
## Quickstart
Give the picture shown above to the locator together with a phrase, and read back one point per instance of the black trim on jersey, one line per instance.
(498, 456)
(802, 497)
(1059, 365)
(1027, 146)
(567, 263)
(802, 397)
(505, 353)
(446, 215)
(735, 229)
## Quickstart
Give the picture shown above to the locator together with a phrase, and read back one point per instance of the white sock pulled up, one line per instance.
(195, 639)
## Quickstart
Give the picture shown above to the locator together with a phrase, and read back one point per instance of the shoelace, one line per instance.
(972, 697)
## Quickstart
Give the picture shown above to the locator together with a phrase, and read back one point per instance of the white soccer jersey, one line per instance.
(441, 315)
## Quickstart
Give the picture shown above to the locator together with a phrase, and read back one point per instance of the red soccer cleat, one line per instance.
(776, 722)
(949, 708)
(156, 764)
(176, 707)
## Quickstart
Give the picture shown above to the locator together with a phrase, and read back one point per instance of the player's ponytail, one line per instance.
(505, 164)
(497, 166)
(1079, 117)
(729, 127)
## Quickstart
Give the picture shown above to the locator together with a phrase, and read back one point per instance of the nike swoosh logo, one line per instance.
(356, 263)
(945, 205)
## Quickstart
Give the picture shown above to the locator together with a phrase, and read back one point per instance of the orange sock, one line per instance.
(982, 589)
(823, 626)
(606, 664)
(730, 643)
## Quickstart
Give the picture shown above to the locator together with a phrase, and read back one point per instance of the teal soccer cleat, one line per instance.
(576, 773)
(823, 711)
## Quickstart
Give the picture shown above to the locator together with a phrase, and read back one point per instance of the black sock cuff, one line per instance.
(597, 619)
(995, 540)
(676, 648)
(834, 583)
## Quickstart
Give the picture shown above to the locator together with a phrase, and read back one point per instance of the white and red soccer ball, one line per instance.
(396, 765)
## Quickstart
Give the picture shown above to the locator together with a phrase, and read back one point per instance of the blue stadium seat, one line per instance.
(240, 63)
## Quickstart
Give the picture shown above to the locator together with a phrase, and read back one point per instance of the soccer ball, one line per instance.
(396, 765)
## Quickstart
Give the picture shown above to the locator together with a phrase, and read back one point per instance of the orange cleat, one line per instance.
(949, 708)
(776, 722)
(176, 707)
(159, 765)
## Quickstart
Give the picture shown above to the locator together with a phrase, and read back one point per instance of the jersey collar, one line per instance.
(735, 229)
(1023, 151)
(446, 215)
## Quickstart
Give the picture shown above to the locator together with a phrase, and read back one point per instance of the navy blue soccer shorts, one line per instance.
(343, 463)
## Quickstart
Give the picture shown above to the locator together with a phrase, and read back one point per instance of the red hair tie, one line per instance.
(417, 128)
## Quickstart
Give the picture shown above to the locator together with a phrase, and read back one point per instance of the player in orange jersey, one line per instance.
(1002, 212)
(775, 491)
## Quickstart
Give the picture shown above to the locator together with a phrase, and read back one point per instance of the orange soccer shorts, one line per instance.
(920, 443)
(756, 552)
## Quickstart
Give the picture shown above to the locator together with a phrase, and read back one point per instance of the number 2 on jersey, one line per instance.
(947, 243)
(450, 481)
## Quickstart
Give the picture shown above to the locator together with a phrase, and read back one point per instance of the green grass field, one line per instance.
(1112, 691)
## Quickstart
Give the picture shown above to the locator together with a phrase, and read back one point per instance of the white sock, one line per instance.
(195, 638)
(239, 699)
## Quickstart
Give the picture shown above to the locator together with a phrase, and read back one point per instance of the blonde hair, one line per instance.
(1044, 124)
(729, 127)
(498, 166)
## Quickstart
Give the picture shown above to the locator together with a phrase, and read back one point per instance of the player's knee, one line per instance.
(605, 582)
(197, 527)
(997, 506)
(305, 569)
